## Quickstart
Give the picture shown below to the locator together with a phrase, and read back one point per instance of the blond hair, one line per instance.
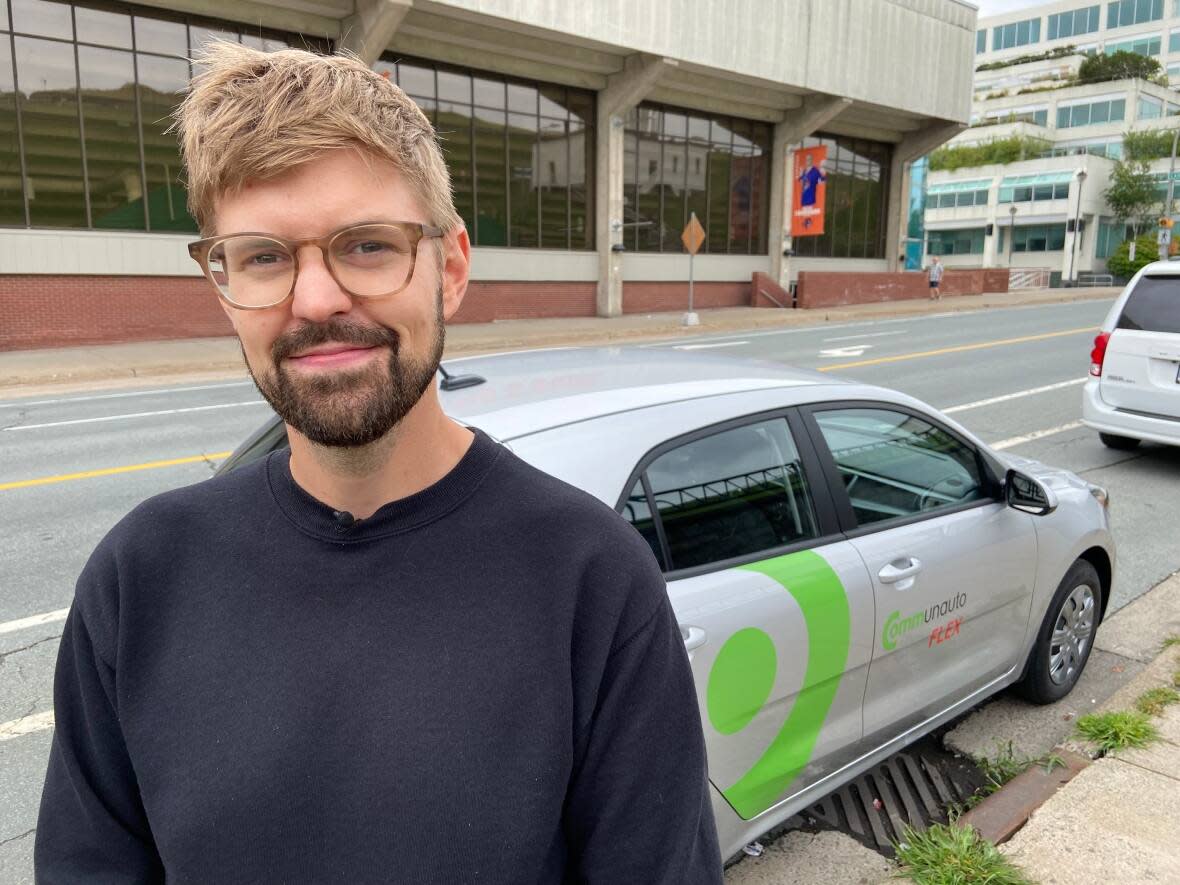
(253, 115)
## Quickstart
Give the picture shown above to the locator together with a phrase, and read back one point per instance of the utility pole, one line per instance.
(1073, 246)
(1164, 246)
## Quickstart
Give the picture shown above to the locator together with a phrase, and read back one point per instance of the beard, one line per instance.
(348, 409)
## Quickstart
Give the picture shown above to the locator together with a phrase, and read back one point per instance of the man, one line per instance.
(395, 653)
(809, 179)
(935, 277)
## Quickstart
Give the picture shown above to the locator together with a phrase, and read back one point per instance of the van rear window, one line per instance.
(1153, 306)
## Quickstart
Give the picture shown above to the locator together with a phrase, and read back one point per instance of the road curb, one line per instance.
(998, 817)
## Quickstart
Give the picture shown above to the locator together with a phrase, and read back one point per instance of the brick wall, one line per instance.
(39, 310)
(488, 301)
(657, 297)
(42, 310)
(51, 311)
(833, 289)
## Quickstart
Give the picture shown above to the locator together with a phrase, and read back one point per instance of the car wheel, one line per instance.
(1118, 442)
(1066, 636)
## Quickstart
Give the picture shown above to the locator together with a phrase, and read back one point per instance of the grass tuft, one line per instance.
(1153, 701)
(1171, 642)
(953, 855)
(1176, 679)
(1117, 731)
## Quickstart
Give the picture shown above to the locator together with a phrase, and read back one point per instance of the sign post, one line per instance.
(1164, 238)
(693, 237)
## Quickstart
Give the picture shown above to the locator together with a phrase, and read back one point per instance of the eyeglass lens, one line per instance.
(367, 261)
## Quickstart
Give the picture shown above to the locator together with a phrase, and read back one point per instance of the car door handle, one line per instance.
(900, 569)
(694, 637)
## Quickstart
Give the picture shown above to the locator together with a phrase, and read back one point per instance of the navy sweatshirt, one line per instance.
(483, 682)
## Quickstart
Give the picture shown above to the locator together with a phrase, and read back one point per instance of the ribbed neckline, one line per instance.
(318, 519)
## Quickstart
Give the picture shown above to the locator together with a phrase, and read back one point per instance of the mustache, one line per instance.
(335, 331)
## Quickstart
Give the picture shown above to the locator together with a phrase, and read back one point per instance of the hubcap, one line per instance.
(1072, 631)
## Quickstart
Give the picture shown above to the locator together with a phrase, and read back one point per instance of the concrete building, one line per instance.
(580, 137)
(1022, 213)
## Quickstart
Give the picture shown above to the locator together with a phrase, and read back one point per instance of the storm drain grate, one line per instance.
(908, 788)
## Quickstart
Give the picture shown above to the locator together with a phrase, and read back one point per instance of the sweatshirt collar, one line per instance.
(315, 518)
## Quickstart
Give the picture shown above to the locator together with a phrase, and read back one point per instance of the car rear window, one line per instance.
(1153, 306)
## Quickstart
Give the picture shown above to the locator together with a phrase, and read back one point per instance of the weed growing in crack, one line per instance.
(1153, 701)
(1117, 731)
(949, 855)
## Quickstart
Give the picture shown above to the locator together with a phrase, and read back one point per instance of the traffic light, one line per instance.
(1166, 222)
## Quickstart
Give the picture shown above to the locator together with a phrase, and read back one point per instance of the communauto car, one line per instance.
(849, 568)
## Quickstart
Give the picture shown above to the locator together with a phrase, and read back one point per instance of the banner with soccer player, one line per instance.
(807, 204)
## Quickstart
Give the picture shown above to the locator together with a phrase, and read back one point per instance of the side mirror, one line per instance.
(1028, 495)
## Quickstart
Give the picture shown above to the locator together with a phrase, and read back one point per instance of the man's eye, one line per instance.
(263, 260)
(369, 247)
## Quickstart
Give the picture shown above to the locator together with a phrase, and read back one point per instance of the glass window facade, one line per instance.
(1038, 238)
(981, 41)
(1148, 45)
(86, 95)
(520, 153)
(1110, 235)
(1121, 13)
(1073, 23)
(955, 242)
(1173, 45)
(857, 192)
(1016, 34)
(1149, 108)
(676, 162)
(1105, 111)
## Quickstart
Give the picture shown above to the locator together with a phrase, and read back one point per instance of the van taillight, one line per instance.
(1098, 354)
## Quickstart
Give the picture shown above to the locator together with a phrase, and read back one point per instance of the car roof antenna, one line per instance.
(458, 382)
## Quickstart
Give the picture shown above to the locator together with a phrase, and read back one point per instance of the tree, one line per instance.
(1118, 66)
(1132, 195)
(1119, 262)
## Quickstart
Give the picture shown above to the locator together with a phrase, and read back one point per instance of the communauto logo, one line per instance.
(896, 626)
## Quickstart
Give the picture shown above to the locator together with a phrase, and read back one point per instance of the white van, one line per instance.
(1133, 392)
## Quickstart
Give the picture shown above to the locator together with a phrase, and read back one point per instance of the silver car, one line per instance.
(850, 569)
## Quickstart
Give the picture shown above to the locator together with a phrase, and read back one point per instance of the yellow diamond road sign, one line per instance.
(693, 236)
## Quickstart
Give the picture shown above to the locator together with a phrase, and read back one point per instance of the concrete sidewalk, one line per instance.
(1118, 821)
(29, 372)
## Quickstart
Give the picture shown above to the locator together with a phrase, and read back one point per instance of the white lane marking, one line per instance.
(1036, 434)
(253, 402)
(26, 725)
(870, 335)
(34, 621)
(707, 346)
(835, 353)
(1010, 396)
(18, 404)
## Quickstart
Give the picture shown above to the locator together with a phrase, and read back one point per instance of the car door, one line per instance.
(776, 609)
(952, 566)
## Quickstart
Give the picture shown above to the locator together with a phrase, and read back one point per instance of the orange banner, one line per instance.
(807, 202)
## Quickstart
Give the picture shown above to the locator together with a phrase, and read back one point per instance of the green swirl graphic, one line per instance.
(820, 595)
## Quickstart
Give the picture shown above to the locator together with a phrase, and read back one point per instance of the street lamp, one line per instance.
(1011, 233)
(1073, 246)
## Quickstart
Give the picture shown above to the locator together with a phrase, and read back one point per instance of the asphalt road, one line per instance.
(1012, 376)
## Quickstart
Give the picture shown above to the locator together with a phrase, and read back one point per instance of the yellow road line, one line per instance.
(957, 349)
(110, 471)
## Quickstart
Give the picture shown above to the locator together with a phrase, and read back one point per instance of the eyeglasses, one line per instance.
(252, 271)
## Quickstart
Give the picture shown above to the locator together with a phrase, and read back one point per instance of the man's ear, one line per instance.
(456, 265)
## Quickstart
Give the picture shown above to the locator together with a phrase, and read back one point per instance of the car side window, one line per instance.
(895, 464)
(733, 493)
(637, 511)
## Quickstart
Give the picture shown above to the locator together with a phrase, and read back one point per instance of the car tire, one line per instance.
(1124, 443)
(1059, 653)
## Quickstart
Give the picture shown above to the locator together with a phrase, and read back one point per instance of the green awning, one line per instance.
(954, 187)
(1043, 178)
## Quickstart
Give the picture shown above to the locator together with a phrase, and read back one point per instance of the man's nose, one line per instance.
(317, 295)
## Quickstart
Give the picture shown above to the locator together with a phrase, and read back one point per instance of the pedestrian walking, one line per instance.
(394, 652)
(935, 275)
